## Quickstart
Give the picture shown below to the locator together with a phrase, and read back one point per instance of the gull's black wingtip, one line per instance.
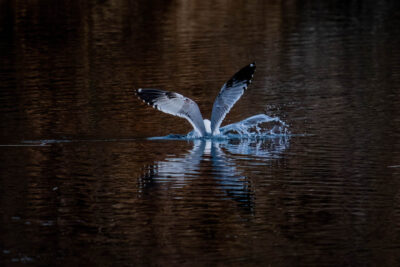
(151, 96)
(252, 66)
(245, 74)
(249, 68)
(148, 96)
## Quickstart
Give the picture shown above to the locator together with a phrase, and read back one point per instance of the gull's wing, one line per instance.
(230, 94)
(174, 104)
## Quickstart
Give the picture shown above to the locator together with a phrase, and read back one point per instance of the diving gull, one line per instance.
(181, 106)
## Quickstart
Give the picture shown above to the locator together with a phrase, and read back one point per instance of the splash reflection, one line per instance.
(214, 165)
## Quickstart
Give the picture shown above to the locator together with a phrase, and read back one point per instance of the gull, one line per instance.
(181, 106)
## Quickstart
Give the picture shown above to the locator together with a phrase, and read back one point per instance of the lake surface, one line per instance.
(81, 183)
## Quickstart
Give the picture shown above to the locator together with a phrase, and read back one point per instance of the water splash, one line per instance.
(256, 127)
(259, 135)
(259, 125)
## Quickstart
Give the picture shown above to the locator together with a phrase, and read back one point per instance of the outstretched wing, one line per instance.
(230, 94)
(174, 104)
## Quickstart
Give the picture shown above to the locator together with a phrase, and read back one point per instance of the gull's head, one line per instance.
(207, 125)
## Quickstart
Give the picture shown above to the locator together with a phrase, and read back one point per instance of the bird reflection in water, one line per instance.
(215, 165)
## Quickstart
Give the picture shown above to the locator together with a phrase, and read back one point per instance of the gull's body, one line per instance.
(181, 106)
(207, 126)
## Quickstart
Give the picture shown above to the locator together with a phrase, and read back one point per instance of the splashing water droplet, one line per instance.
(259, 125)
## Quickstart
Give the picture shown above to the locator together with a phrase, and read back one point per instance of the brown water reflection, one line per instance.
(100, 193)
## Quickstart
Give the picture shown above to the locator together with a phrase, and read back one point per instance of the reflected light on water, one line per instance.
(220, 156)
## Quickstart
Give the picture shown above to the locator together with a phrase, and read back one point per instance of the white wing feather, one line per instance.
(230, 93)
(174, 104)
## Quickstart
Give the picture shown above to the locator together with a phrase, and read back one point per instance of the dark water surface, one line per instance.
(80, 183)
